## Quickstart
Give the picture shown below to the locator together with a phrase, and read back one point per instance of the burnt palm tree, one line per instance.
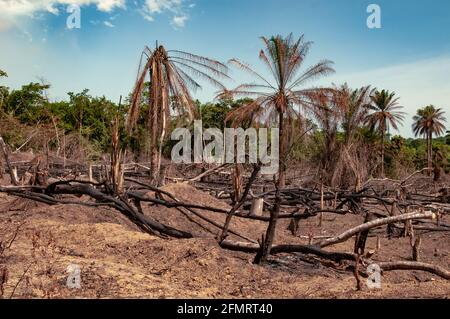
(429, 121)
(353, 106)
(327, 118)
(171, 75)
(385, 114)
(350, 108)
(279, 99)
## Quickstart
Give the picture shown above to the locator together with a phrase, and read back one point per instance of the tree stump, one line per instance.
(257, 207)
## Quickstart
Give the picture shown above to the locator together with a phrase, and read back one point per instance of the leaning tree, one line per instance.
(171, 75)
(279, 100)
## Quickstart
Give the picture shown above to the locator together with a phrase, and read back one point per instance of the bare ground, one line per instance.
(119, 261)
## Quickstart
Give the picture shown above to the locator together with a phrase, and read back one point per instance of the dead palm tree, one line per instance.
(385, 114)
(347, 109)
(353, 106)
(428, 121)
(279, 100)
(327, 119)
(171, 75)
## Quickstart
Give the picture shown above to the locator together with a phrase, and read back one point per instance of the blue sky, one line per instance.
(410, 54)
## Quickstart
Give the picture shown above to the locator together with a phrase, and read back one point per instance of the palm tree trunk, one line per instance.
(154, 146)
(429, 152)
(163, 110)
(154, 100)
(271, 229)
(382, 149)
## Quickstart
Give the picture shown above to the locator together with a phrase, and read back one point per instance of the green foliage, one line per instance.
(429, 120)
(27, 104)
(89, 118)
(213, 115)
(399, 154)
(441, 153)
(4, 92)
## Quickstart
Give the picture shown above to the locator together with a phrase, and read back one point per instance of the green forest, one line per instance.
(27, 114)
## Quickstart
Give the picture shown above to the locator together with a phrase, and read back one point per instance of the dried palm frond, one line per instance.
(283, 57)
(171, 79)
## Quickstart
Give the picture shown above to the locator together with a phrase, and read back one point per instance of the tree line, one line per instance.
(346, 120)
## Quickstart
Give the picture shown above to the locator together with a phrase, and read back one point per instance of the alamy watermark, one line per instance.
(214, 146)
(74, 278)
(374, 276)
(374, 19)
(74, 19)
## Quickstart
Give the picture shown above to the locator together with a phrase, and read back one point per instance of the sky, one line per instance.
(409, 54)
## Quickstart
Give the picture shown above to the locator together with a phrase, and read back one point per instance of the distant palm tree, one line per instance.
(280, 99)
(428, 121)
(170, 74)
(385, 113)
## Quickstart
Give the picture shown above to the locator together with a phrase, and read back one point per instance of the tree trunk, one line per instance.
(429, 153)
(271, 229)
(237, 181)
(4, 149)
(116, 157)
(383, 128)
(163, 110)
(153, 104)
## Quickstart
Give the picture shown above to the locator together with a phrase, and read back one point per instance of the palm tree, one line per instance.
(385, 114)
(328, 119)
(170, 75)
(351, 107)
(279, 100)
(428, 121)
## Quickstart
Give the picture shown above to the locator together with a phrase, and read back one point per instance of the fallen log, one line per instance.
(208, 172)
(372, 224)
(176, 203)
(415, 265)
(277, 249)
(145, 223)
(336, 257)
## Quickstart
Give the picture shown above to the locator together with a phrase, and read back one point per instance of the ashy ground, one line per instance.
(116, 260)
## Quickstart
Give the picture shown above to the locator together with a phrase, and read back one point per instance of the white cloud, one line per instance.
(158, 6)
(176, 7)
(28, 7)
(52, 9)
(108, 24)
(179, 21)
(148, 17)
(12, 9)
